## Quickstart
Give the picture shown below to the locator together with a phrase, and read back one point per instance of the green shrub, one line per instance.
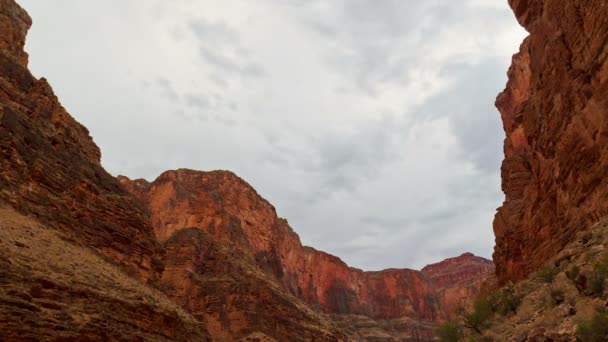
(595, 330)
(596, 282)
(547, 274)
(505, 301)
(476, 320)
(449, 332)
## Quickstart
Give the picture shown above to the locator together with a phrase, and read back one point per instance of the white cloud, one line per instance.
(377, 117)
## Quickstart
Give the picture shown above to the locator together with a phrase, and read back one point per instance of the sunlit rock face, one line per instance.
(554, 111)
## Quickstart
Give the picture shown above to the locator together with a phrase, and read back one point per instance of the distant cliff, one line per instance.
(232, 213)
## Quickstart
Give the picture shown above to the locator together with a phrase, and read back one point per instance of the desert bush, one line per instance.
(594, 330)
(596, 282)
(547, 274)
(449, 332)
(557, 296)
(504, 301)
(477, 319)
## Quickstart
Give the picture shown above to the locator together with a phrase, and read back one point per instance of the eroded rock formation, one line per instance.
(231, 214)
(49, 165)
(458, 279)
(75, 268)
(555, 115)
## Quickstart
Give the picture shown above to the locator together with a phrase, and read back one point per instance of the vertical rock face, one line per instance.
(231, 212)
(555, 115)
(49, 165)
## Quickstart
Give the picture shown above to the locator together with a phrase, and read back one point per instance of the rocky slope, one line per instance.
(231, 214)
(559, 302)
(554, 110)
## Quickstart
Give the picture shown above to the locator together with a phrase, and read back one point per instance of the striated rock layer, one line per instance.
(554, 111)
(457, 279)
(49, 165)
(75, 247)
(230, 210)
(232, 213)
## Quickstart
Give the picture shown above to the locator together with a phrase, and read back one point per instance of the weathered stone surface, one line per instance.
(231, 212)
(554, 112)
(457, 279)
(49, 165)
(75, 268)
(52, 289)
(226, 291)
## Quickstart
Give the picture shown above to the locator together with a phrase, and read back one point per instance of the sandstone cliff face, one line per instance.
(49, 165)
(554, 110)
(75, 247)
(232, 213)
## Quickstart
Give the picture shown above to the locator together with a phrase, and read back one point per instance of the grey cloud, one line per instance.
(469, 105)
(197, 101)
(221, 47)
(356, 185)
(167, 89)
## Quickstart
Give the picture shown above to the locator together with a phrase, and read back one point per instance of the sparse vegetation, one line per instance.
(505, 301)
(596, 283)
(558, 296)
(594, 330)
(547, 274)
(449, 332)
(476, 320)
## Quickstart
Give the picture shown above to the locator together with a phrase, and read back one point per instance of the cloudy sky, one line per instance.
(369, 124)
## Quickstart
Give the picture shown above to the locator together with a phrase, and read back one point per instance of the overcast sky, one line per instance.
(369, 124)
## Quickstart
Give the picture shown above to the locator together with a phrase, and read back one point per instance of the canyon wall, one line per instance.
(50, 167)
(232, 213)
(75, 248)
(555, 115)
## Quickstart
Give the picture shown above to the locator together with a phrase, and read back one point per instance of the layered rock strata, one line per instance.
(232, 213)
(554, 111)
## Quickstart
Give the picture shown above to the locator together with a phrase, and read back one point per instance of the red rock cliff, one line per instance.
(555, 115)
(49, 165)
(457, 279)
(231, 211)
(75, 247)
